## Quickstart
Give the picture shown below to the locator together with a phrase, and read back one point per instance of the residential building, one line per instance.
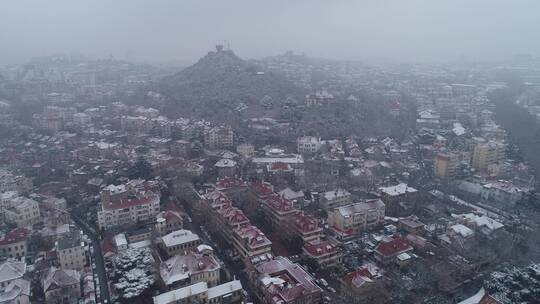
(281, 281)
(235, 228)
(502, 193)
(72, 251)
(305, 227)
(388, 250)
(168, 221)
(219, 137)
(23, 212)
(325, 253)
(120, 210)
(485, 154)
(445, 165)
(308, 144)
(246, 150)
(189, 268)
(364, 283)
(16, 292)
(179, 241)
(11, 271)
(251, 244)
(226, 293)
(347, 221)
(398, 199)
(278, 210)
(225, 167)
(61, 286)
(14, 245)
(335, 198)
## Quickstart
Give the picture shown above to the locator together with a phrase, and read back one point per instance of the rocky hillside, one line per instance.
(221, 85)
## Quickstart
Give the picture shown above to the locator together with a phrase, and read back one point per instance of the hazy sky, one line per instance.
(184, 30)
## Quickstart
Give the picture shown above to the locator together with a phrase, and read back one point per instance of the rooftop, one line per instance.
(182, 266)
(178, 237)
(398, 189)
(393, 247)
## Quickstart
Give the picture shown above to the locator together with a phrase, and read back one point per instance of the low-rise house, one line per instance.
(226, 293)
(11, 271)
(281, 281)
(139, 235)
(225, 167)
(411, 224)
(395, 196)
(364, 283)
(179, 241)
(388, 250)
(72, 251)
(168, 221)
(347, 221)
(335, 198)
(308, 144)
(304, 227)
(61, 286)
(325, 253)
(16, 292)
(189, 268)
(502, 193)
(23, 212)
(14, 244)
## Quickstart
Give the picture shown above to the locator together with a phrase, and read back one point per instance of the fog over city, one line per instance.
(270, 152)
(158, 31)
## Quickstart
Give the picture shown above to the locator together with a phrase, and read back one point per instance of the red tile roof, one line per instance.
(305, 223)
(357, 278)
(129, 202)
(262, 188)
(394, 247)
(230, 182)
(318, 249)
(279, 204)
(14, 236)
(253, 236)
(280, 166)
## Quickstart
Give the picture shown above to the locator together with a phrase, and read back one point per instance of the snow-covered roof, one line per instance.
(179, 237)
(462, 230)
(224, 289)
(474, 299)
(398, 189)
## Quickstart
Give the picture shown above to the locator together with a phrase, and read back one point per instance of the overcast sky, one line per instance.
(184, 30)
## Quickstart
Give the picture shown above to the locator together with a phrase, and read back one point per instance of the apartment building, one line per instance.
(72, 251)
(485, 154)
(226, 293)
(281, 281)
(22, 212)
(335, 198)
(14, 245)
(189, 268)
(179, 241)
(126, 209)
(347, 221)
(219, 137)
(308, 145)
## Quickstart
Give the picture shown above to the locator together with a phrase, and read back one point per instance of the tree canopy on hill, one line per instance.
(221, 80)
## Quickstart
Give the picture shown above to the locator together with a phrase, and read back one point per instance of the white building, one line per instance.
(72, 251)
(126, 210)
(22, 212)
(180, 241)
(230, 292)
(308, 144)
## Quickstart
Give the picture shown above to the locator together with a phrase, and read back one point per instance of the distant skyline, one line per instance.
(183, 31)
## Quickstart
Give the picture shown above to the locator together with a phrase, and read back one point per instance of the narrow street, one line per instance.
(97, 258)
